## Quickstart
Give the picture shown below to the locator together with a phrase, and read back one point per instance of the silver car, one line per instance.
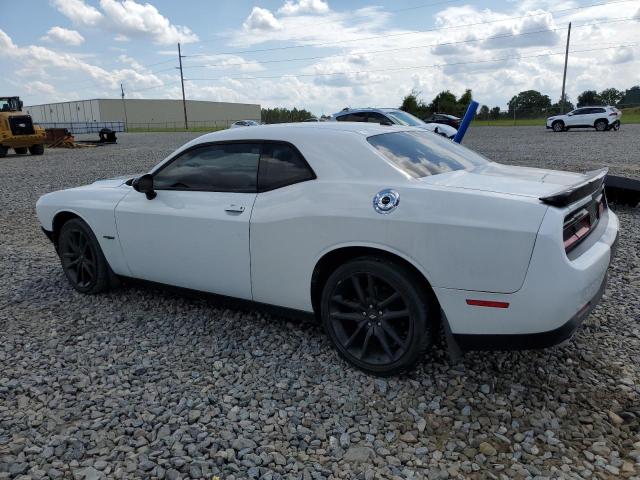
(391, 116)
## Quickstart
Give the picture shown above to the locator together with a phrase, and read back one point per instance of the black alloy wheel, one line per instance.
(376, 315)
(82, 259)
(558, 126)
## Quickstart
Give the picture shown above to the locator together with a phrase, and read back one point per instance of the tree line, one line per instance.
(526, 104)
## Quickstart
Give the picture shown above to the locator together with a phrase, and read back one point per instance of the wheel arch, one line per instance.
(332, 259)
(59, 219)
(606, 120)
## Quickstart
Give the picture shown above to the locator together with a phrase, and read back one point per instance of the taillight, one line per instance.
(578, 224)
(613, 114)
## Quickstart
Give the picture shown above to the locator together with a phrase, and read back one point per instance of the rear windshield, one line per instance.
(421, 154)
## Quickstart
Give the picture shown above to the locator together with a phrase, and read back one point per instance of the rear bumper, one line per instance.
(557, 295)
(531, 341)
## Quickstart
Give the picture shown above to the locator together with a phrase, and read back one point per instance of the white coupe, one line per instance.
(386, 233)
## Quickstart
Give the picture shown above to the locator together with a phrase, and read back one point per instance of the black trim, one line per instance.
(48, 233)
(257, 189)
(532, 341)
(575, 192)
(224, 300)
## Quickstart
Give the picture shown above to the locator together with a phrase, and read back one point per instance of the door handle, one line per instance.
(234, 208)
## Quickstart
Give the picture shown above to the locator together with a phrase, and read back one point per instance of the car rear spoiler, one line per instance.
(590, 185)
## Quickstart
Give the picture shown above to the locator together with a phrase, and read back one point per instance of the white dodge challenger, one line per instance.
(386, 233)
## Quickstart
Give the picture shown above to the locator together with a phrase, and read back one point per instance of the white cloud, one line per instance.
(261, 19)
(302, 7)
(41, 64)
(38, 88)
(63, 35)
(78, 12)
(128, 19)
(622, 55)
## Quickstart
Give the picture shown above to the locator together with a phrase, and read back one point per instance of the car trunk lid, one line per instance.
(512, 180)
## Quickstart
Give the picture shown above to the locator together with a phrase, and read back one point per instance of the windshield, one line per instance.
(404, 118)
(9, 105)
(420, 154)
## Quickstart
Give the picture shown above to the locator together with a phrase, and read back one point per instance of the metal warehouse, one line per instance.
(143, 112)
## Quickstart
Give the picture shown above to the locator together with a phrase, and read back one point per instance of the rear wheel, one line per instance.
(3, 151)
(376, 315)
(558, 126)
(82, 259)
(601, 125)
(21, 150)
(36, 149)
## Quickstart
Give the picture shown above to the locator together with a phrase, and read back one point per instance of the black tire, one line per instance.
(558, 126)
(601, 125)
(36, 149)
(3, 151)
(82, 259)
(616, 126)
(382, 325)
(21, 150)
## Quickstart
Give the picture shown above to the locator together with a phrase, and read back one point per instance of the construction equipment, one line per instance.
(17, 130)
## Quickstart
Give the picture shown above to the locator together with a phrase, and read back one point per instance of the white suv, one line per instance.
(600, 118)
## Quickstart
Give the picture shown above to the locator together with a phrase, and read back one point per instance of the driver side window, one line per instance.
(230, 167)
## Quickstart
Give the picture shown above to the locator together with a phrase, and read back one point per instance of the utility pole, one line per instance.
(564, 77)
(184, 102)
(124, 107)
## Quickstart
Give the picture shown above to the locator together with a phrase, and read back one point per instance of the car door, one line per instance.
(195, 232)
(577, 117)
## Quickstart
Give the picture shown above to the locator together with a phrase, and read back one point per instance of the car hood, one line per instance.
(507, 179)
(113, 182)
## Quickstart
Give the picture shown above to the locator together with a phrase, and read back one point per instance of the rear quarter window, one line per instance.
(420, 154)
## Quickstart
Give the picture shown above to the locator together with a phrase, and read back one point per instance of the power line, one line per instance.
(473, 40)
(435, 65)
(415, 32)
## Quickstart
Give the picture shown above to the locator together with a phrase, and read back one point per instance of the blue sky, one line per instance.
(316, 54)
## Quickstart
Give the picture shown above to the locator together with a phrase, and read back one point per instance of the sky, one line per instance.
(322, 55)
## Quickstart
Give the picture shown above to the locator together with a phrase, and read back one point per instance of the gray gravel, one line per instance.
(144, 383)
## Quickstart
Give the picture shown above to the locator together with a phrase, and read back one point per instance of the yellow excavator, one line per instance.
(17, 130)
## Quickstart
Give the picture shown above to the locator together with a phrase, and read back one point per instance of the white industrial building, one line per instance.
(143, 112)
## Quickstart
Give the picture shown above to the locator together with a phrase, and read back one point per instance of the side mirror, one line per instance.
(570, 114)
(144, 184)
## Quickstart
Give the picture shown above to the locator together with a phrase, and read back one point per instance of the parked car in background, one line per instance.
(386, 233)
(391, 116)
(311, 119)
(600, 118)
(244, 123)
(444, 119)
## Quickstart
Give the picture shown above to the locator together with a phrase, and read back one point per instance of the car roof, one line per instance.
(368, 109)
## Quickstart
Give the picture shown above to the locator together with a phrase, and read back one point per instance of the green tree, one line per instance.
(284, 115)
(611, 96)
(530, 104)
(465, 99)
(558, 107)
(484, 112)
(411, 104)
(495, 113)
(631, 97)
(444, 102)
(589, 97)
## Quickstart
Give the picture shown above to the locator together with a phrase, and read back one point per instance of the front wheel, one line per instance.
(82, 259)
(376, 315)
(36, 149)
(558, 126)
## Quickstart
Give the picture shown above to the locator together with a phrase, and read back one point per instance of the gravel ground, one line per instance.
(145, 383)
